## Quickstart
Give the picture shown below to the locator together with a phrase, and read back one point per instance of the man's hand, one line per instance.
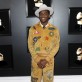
(42, 63)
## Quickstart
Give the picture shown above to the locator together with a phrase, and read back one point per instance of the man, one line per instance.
(43, 44)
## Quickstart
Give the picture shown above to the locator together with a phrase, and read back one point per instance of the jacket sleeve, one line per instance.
(31, 47)
(30, 42)
(55, 47)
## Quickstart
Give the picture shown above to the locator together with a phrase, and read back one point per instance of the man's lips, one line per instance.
(43, 18)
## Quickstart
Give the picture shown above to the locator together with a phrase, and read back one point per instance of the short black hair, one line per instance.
(48, 11)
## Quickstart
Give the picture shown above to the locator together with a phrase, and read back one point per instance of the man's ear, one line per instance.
(49, 16)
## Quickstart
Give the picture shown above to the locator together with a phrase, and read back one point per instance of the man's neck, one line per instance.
(44, 24)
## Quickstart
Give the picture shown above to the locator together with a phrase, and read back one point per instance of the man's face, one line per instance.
(44, 16)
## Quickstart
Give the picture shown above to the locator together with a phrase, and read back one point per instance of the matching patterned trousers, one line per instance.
(46, 74)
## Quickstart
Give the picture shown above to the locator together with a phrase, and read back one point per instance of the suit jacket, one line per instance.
(44, 41)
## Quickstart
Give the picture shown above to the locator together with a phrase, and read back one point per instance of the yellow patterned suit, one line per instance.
(44, 41)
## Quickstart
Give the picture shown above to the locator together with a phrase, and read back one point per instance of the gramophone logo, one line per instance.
(79, 53)
(79, 18)
(1, 57)
(0, 22)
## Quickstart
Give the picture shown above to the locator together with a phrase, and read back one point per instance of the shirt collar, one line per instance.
(42, 25)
